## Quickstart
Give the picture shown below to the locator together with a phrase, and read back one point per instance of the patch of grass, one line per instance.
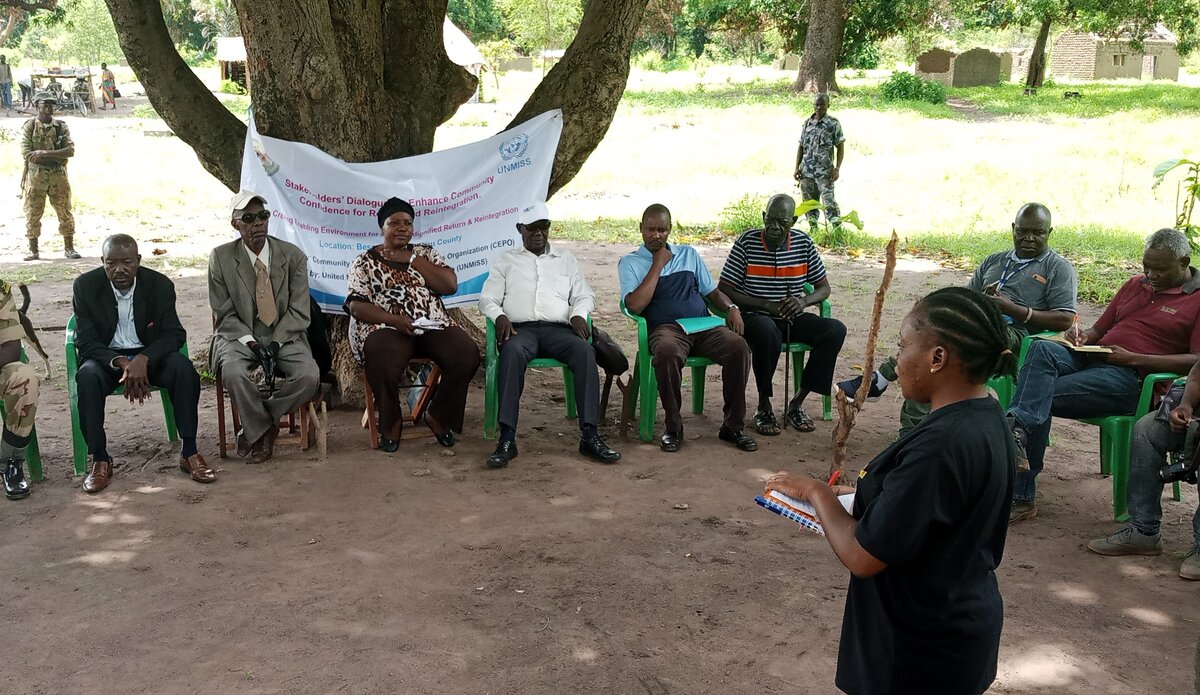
(1150, 100)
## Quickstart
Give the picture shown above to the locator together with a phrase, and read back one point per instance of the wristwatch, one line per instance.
(732, 306)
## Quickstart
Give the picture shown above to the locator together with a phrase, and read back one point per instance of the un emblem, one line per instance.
(512, 149)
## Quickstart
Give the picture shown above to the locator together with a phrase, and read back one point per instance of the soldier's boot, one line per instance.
(33, 250)
(69, 248)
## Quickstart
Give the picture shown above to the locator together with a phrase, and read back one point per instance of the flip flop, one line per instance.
(766, 424)
(800, 420)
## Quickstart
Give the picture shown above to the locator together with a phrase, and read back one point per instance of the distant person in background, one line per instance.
(816, 169)
(108, 87)
(6, 80)
(46, 146)
(26, 85)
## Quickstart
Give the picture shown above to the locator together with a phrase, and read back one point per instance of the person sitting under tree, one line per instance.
(765, 274)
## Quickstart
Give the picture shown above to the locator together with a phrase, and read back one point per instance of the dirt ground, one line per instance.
(424, 572)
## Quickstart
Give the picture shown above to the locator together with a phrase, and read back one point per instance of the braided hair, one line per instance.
(972, 326)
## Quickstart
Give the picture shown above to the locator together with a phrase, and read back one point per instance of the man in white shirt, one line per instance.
(258, 290)
(539, 300)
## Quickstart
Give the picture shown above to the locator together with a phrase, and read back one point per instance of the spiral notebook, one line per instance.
(802, 513)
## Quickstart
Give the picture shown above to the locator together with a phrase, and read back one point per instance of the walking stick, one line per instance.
(787, 366)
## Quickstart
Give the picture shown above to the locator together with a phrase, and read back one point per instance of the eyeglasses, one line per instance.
(249, 217)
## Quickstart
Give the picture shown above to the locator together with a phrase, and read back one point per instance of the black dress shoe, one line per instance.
(447, 440)
(15, 484)
(389, 445)
(739, 439)
(671, 441)
(598, 449)
(505, 452)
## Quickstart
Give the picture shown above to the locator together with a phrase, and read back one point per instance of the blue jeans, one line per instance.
(6, 94)
(1056, 381)
(1152, 439)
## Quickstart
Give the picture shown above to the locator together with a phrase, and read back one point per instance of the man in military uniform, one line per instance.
(45, 146)
(19, 390)
(815, 167)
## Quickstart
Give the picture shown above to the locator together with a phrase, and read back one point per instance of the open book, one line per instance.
(802, 513)
(1061, 339)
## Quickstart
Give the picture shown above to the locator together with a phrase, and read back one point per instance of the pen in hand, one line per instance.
(1076, 334)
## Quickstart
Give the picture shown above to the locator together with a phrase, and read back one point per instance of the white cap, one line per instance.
(242, 199)
(532, 213)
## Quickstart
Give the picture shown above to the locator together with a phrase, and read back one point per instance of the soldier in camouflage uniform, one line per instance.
(45, 146)
(19, 390)
(815, 167)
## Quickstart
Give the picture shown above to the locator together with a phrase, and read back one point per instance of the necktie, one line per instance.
(264, 296)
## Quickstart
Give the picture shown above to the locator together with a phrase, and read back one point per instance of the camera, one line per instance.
(1182, 465)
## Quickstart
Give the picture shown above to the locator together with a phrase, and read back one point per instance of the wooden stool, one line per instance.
(301, 419)
(370, 420)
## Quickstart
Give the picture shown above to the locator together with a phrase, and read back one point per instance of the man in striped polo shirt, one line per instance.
(765, 274)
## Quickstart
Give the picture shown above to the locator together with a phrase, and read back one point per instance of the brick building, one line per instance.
(1092, 57)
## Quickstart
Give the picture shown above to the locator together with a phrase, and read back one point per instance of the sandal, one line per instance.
(799, 420)
(766, 424)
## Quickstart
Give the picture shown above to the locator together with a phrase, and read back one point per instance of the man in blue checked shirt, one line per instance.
(664, 283)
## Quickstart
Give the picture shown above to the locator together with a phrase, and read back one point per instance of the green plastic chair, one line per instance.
(79, 445)
(645, 383)
(1005, 386)
(491, 365)
(1116, 435)
(33, 455)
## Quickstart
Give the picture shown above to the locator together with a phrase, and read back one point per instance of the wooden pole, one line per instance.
(848, 410)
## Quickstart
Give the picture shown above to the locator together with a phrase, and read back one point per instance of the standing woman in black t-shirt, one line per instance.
(930, 515)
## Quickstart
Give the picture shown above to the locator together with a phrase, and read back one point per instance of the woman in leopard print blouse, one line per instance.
(391, 286)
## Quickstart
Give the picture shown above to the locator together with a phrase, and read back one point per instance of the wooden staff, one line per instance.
(847, 410)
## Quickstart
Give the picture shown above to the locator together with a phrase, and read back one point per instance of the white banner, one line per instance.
(466, 201)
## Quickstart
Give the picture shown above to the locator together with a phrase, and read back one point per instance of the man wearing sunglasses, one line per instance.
(258, 291)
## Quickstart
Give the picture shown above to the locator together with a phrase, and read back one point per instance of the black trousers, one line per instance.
(557, 341)
(96, 380)
(766, 334)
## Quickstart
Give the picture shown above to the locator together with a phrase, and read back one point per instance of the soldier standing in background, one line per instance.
(815, 167)
(45, 146)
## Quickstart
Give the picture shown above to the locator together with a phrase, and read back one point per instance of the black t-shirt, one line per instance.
(934, 508)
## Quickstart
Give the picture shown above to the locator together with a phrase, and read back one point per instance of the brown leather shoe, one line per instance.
(262, 450)
(98, 476)
(197, 467)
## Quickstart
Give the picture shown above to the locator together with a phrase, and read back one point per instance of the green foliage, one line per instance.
(144, 111)
(238, 106)
(196, 58)
(743, 213)
(231, 87)
(1150, 101)
(905, 86)
(479, 19)
(535, 24)
(1186, 194)
(84, 34)
(1132, 18)
(219, 18)
(497, 51)
(182, 25)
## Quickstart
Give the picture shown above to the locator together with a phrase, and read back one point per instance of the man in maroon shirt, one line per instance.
(1150, 326)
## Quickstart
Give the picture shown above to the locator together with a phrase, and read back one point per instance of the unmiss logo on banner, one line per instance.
(512, 149)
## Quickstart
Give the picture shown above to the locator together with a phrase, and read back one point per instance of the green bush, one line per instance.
(144, 111)
(905, 86)
(231, 87)
(744, 213)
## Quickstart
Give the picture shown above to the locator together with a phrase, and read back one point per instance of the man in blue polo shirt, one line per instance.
(765, 273)
(664, 283)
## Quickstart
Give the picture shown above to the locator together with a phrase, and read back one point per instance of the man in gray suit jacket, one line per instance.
(258, 290)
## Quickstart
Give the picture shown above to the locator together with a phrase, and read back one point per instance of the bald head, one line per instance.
(1031, 230)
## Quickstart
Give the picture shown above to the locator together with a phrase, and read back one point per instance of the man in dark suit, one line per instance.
(258, 290)
(127, 333)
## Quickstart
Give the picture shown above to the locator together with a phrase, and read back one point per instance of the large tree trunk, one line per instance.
(1037, 60)
(367, 82)
(822, 46)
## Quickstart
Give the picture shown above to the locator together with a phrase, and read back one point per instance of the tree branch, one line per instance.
(15, 15)
(587, 84)
(176, 93)
(30, 5)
